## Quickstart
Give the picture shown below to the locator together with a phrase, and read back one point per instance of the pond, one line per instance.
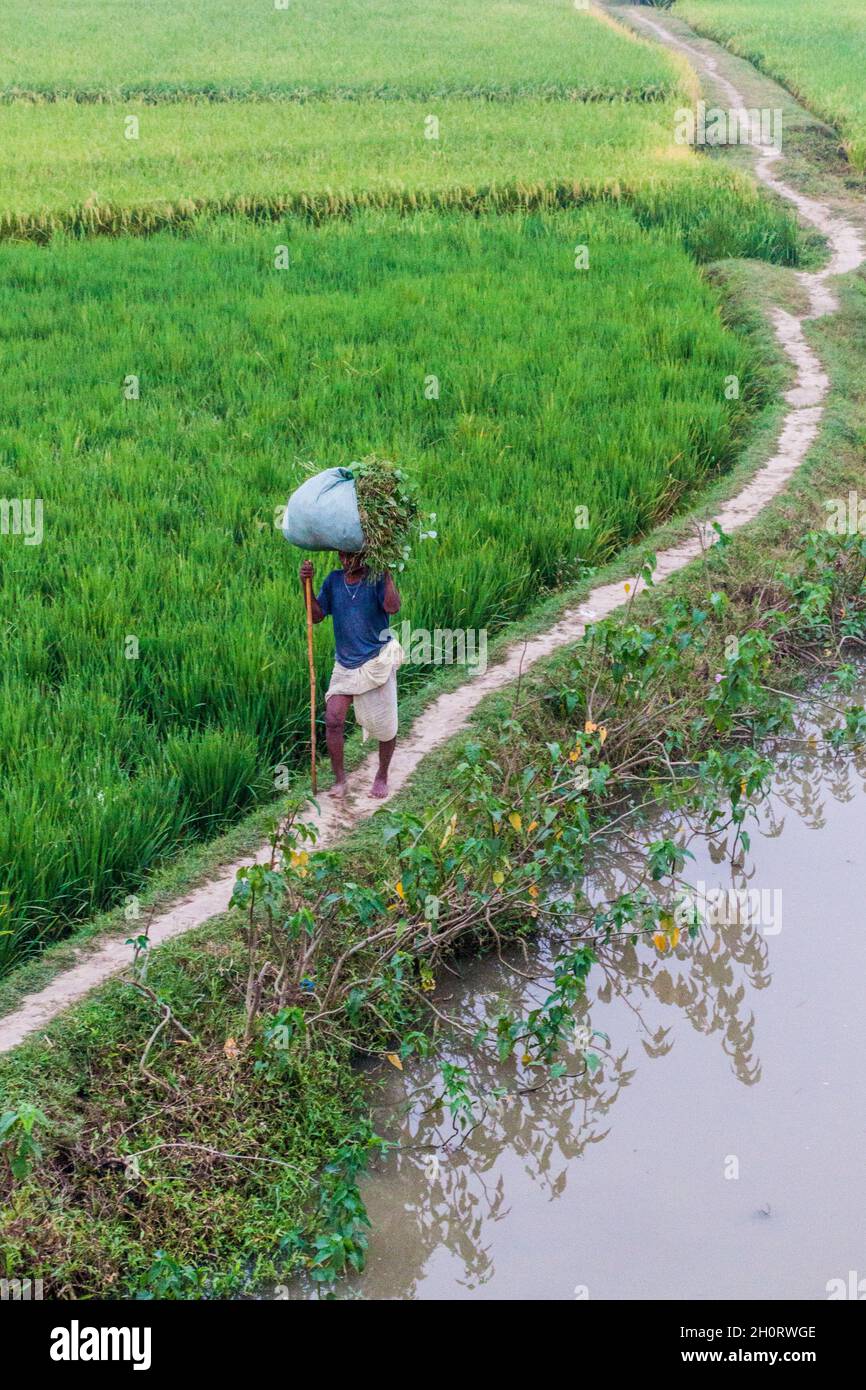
(719, 1151)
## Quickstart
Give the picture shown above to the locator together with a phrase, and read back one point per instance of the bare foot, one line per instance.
(380, 786)
(339, 789)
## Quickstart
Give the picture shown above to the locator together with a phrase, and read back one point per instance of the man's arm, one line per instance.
(391, 599)
(306, 572)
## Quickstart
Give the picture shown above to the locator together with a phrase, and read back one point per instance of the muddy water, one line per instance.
(720, 1150)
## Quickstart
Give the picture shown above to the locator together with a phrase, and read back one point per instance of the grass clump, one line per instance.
(389, 513)
(170, 1183)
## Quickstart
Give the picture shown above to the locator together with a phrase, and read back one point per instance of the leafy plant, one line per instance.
(389, 512)
(20, 1150)
(168, 1278)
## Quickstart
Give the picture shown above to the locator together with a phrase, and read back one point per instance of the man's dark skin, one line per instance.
(336, 709)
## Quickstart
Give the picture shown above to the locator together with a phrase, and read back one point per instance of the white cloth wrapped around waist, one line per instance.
(373, 688)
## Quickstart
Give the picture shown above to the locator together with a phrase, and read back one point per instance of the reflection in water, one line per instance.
(660, 1181)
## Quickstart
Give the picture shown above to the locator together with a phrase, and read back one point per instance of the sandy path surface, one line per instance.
(451, 711)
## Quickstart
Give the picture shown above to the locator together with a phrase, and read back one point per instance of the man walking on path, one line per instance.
(368, 655)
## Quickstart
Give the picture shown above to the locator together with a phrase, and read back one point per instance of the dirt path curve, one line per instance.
(451, 711)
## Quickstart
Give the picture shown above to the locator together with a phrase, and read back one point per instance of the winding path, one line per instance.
(451, 711)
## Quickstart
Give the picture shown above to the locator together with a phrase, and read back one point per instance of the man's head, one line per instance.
(353, 563)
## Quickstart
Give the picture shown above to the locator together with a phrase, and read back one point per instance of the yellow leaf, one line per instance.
(533, 825)
(516, 820)
(589, 727)
(660, 940)
(628, 588)
(449, 831)
(675, 936)
(398, 889)
(526, 1058)
(602, 735)
(498, 877)
(533, 891)
(394, 1060)
(573, 757)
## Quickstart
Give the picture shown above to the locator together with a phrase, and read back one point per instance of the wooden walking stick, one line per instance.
(308, 595)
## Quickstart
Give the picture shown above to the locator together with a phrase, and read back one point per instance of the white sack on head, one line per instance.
(322, 514)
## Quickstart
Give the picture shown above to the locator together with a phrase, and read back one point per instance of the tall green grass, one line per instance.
(165, 49)
(818, 50)
(558, 388)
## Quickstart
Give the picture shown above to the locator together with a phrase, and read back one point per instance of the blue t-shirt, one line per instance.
(360, 621)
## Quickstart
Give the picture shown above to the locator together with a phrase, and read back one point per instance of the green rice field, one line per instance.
(153, 679)
(818, 50)
(68, 167)
(99, 49)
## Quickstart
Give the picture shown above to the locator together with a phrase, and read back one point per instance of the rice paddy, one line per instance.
(491, 49)
(513, 310)
(818, 51)
(68, 167)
